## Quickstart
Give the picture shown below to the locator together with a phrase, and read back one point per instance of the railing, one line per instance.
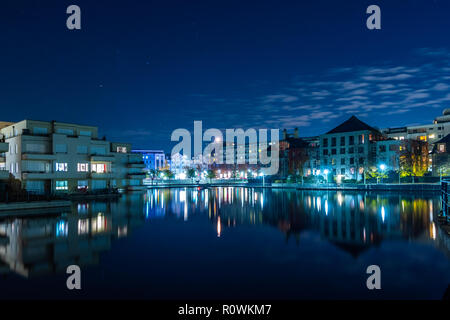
(445, 188)
(27, 196)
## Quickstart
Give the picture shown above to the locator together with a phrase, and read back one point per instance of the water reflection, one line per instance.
(37, 245)
(352, 221)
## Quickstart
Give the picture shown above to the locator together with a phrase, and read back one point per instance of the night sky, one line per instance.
(140, 69)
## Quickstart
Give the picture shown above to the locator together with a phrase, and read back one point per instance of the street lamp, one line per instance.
(262, 175)
(382, 167)
(326, 172)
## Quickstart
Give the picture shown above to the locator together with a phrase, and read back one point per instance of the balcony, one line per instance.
(106, 158)
(104, 175)
(4, 147)
(136, 175)
(38, 156)
(136, 165)
(38, 175)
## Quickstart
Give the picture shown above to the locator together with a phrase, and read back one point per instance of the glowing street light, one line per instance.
(382, 168)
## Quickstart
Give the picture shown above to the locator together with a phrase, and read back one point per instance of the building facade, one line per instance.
(429, 132)
(348, 150)
(153, 159)
(49, 157)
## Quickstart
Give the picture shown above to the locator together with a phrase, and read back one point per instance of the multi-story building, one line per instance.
(405, 154)
(349, 149)
(4, 147)
(427, 132)
(387, 153)
(298, 156)
(441, 157)
(153, 159)
(61, 157)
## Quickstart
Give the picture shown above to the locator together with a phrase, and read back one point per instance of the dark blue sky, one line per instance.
(140, 69)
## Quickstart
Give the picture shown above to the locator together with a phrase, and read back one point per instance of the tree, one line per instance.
(191, 173)
(210, 174)
(374, 173)
(413, 158)
(169, 174)
(153, 174)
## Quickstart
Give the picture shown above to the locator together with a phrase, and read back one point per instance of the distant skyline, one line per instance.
(140, 69)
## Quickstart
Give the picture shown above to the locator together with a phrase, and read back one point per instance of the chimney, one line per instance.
(296, 133)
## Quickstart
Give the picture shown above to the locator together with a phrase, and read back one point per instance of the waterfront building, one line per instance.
(441, 157)
(4, 147)
(407, 155)
(348, 150)
(153, 159)
(428, 132)
(294, 155)
(50, 157)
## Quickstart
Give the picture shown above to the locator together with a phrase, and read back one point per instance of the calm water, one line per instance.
(230, 243)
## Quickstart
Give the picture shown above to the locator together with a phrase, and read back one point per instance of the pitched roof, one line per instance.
(445, 139)
(352, 124)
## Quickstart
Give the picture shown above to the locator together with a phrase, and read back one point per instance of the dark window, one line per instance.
(351, 140)
(342, 150)
(342, 141)
(382, 148)
(325, 142)
(333, 142)
(351, 150)
(343, 171)
(361, 160)
(325, 152)
(333, 151)
(352, 160)
(342, 161)
(360, 150)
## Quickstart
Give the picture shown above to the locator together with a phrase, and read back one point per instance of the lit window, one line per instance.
(83, 167)
(60, 167)
(61, 185)
(82, 184)
(98, 167)
(122, 149)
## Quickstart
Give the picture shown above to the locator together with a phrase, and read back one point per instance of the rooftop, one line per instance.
(352, 124)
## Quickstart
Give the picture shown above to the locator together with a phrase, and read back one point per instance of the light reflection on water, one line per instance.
(210, 220)
(360, 219)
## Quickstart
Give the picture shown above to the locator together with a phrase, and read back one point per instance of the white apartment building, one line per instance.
(427, 132)
(4, 174)
(62, 157)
